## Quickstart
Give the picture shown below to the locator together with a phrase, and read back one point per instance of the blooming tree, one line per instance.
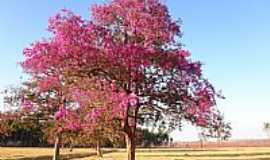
(131, 50)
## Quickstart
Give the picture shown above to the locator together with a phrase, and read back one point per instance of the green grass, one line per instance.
(8, 153)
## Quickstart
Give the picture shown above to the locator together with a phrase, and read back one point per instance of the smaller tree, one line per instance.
(203, 138)
(36, 101)
(216, 128)
(266, 128)
(62, 122)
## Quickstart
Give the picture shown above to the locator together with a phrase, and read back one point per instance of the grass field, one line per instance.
(142, 154)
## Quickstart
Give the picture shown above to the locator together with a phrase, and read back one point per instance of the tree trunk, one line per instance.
(130, 132)
(130, 144)
(56, 155)
(202, 143)
(219, 142)
(98, 149)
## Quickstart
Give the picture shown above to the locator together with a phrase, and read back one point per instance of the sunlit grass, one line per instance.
(8, 153)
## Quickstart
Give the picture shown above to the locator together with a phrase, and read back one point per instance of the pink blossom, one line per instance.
(27, 105)
(133, 99)
(61, 113)
(201, 121)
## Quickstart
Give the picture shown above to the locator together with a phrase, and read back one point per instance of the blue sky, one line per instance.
(230, 37)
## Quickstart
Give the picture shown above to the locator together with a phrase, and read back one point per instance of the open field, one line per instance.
(142, 154)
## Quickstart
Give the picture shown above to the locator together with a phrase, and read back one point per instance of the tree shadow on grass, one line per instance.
(178, 150)
(63, 157)
(233, 156)
(218, 156)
